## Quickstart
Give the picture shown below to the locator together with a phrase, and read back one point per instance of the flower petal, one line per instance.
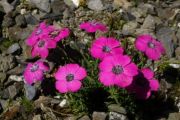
(148, 73)
(106, 78)
(74, 85)
(123, 80)
(61, 86)
(154, 84)
(130, 69)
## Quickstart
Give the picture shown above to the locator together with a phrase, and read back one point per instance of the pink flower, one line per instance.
(103, 47)
(69, 78)
(41, 30)
(42, 46)
(117, 70)
(93, 26)
(151, 47)
(143, 84)
(57, 35)
(35, 72)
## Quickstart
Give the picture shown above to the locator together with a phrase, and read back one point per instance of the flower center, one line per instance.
(151, 45)
(34, 67)
(106, 49)
(117, 69)
(69, 77)
(38, 31)
(41, 43)
(54, 33)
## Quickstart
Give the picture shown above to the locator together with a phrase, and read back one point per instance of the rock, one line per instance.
(127, 16)
(85, 118)
(13, 48)
(2, 77)
(99, 116)
(148, 7)
(7, 7)
(16, 78)
(176, 66)
(7, 63)
(166, 36)
(178, 35)
(74, 3)
(121, 3)
(149, 23)
(45, 101)
(138, 12)
(144, 31)
(8, 21)
(63, 103)
(4, 104)
(117, 116)
(58, 6)
(165, 13)
(117, 108)
(11, 92)
(96, 5)
(177, 53)
(30, 91)
(37, 117)
(174, 116)
(17, 33)
(43, 5)
(18, 70)
(30, 19)
(130, 27)
(20, 21)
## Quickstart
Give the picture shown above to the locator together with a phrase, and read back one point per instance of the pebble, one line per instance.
(13, 48)
(96, 5)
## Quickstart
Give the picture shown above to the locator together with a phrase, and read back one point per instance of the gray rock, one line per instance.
(165, 13)
(117, 116)
(178, 35)
(130, 27)
(149, 23)
(17, 33)
(149, 8)
(85, 118)
(17, 70)
(30, 91)
(96, 5)
(177, 53)
(7, 7)
(58, 6)
(4, 104)
(99, 116)
(128, 16)
(13, 48)
(43, 5)
(2, 77)
(174, 116)
(8, 21)
(37, 117)
(10, 92)
(20, 21)
(166, 36)
(72, 3)
(30, 19)
(117, 108)
(7, 63)
(144, 31)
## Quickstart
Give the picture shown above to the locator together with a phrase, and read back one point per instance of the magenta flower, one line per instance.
(143, 84)
(41, 30)
(151, 47)
(69, 78)
(103, 47)
(35, 72)
(117, 70)
(93, 26)
(57, 35)
(42, 46)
